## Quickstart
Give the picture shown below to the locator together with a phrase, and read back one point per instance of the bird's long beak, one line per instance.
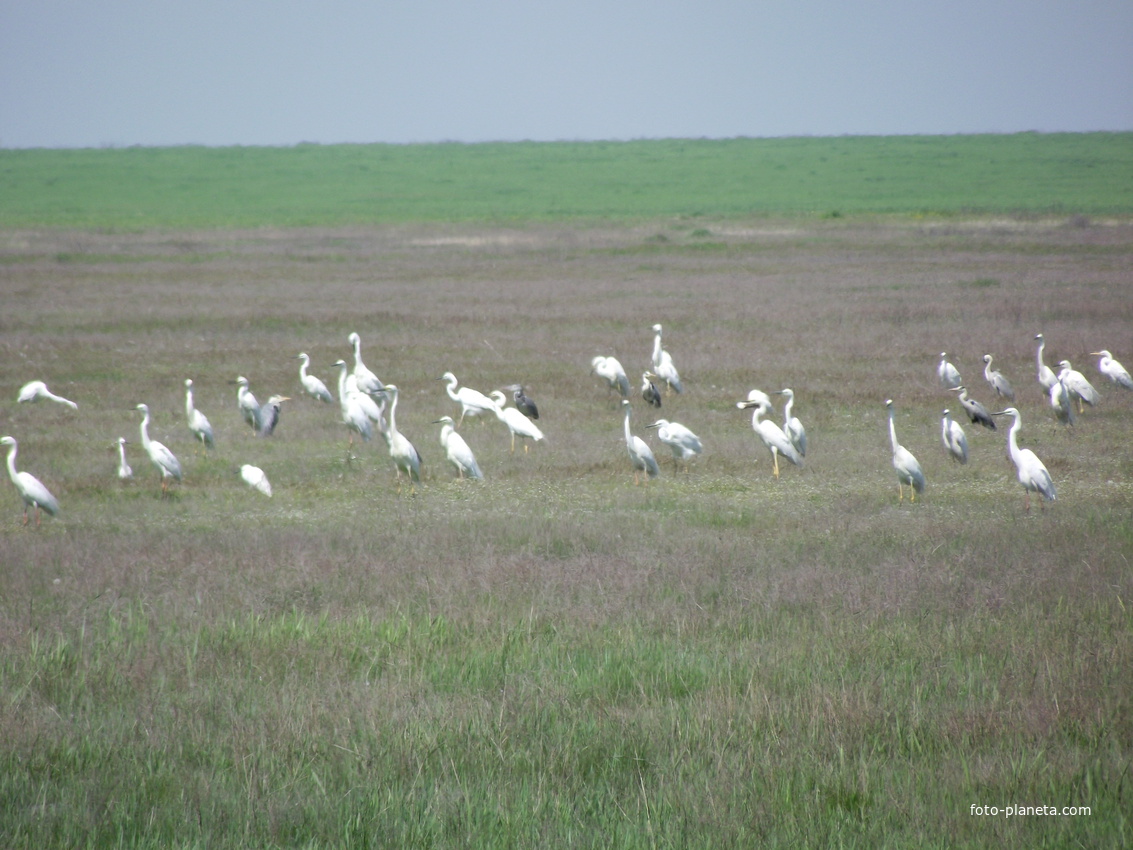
(1096, 354)
(654, 425)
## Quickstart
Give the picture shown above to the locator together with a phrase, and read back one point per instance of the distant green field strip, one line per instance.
(312, 185)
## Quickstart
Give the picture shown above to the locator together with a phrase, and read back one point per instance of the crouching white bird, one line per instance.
(684, 444)
(34, 391)
(1031, 472)
(457, 451)
(255, 478)
(29, 487)
(640, 455)
(1112, 369)
(517, 423)
(165, 461)
(907, 467)
(953, 437)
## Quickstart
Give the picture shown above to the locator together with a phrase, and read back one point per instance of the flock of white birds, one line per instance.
(367, 404)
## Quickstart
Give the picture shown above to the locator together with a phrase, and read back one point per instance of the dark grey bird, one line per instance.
(976, 411)
(269, 415)
(649, 390)
(523, 403)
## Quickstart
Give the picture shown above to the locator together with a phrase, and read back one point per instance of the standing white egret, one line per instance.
(792, 427)
(472, 402)
(1031, 472)
(684, 444)
(1046, 377)
(255, 478)
(368, 382)
(1112, 369)
(649, 390)
(124, 470)
(976, 412)
(524, 403)
(1062, 403)
(953, 437)
(610, 370)
(640, 455)
(162, 458)
(517, 423)
(37, 391)
(908, 469)
(949, 375)
(770, 434)
(198, 422)
(405, 456)
(247, 405)
(1079, 387)
(315, 388)
(663, 366)
(29, 487)
(457, 451)
(269, 415)
(998, 380)
(353, 414)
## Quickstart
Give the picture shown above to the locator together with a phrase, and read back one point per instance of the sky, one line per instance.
(279, 72)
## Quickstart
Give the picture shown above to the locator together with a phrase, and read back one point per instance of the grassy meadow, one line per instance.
(554, 657)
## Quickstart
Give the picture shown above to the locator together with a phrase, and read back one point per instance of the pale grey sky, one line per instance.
(279, 72)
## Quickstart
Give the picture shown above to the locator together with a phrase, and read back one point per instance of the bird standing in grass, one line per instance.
(472, 402)
(255, 478)
(124, 470)
(367, 381)
(792, 427)
(523, 403)
(198, 423)
(976, 412)
(269, 415)
(1062, 403)
(649, 390)
(247, 405)
(770, 434)
(29, 487)
(684, 444)
(1079, 387)
(998, 380)
(517, 423)
(315, 388)
(457, 451)
(353, 414)
(1112, 369)
(949, 375)
(165, 461)
(1046, 377)
(34, 391)
(610, 370)
(953, 437)
(1030, 470)
(640, 455)
(663, 367)
(404, 454)
(907, 467)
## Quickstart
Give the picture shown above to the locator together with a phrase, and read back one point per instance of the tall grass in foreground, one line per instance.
(309, 185)
(555, 657)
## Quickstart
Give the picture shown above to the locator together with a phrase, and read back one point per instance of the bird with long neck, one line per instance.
(1045, 374)
(908, 469)
(1031, 472)
(30, 488)
(161, 457)
(640, 455)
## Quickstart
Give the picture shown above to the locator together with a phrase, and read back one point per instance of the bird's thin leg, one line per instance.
(37, 516)
(775, 458)
(1027, 497)
(513, 442)
(525, 446)
(900, 492)
(25, 514)
(912, 494)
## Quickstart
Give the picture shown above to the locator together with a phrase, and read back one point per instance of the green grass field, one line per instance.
(554, 657)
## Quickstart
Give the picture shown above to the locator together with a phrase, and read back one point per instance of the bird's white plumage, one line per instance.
(472, 402)
(247, 404)
(998, 380)
(457, 451)
(908, 468)
(610, 370)
(1031, 472)
(165, 461)
(682, 442)
(948, 374)
(368, 382)
(770, 434)
(1076, 383)
(792, 426)
(640, 455)
(31, 489)
(315, 388)
(199, 425)
(353, 414)
(1112, 369)
(1045, 375)
(663, 366)
(954, 439)
(255, 478)
(404, 453)
(124, 470)
(518, 424)
(1062, 403)
(34, 391)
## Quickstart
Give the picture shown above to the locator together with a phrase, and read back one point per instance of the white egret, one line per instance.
(198, 422)
(247, 405)
(255, 478)
(1062, 403)
(1046, 377)
(315, 388)
(368, 382)
(472, 402)
(976, 412)
(663, 366)
(124, 470)
(792, 427)
(949, 375)
(770, 434)
(405, 456)
(611, 371)
(953, 437)
(649, 390)
(162, 458)
(684, 444)
(37, 391)
(517, 423)
(640, 455)
(457, 451)
(523, 403)
(1079, 387)
(1112, 369)
(1031, 472)
(29, 487)
(269, 415)
(353, 414)
(998, 380)
(908, 469)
